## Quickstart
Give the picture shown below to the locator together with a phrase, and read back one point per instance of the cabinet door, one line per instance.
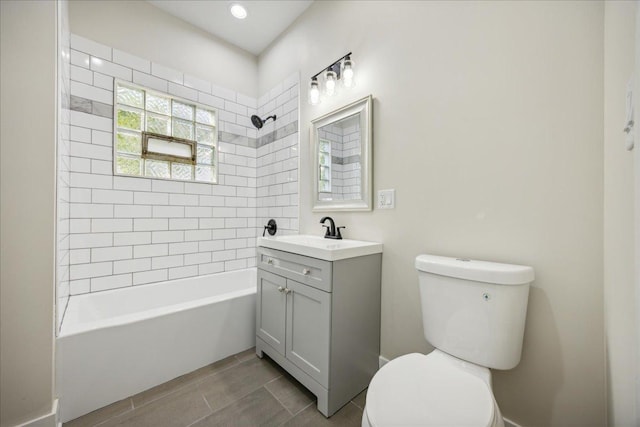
(270, 309)
(308, 326)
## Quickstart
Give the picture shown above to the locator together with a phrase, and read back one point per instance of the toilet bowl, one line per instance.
(431, 390)
(473, 313)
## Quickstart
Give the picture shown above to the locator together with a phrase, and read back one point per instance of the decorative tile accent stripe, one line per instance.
(91, 107)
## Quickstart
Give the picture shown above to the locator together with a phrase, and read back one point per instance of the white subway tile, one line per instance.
(132, 211)
(194, 235)
(211, 268)
(183, 223)
(91, 121)
(291, 80)
(212, 101)
(247, 101)
(235, 222)
(80, 59)
(111, 196)
(79, 287)
(167, 73)
(82, 75)
(223, 255)
(137, 184)
(196, 83)
(183, 248)
(131, 61)
(223, 212)
(227, 233)
(168, 211)
(90, 151)
(102, 138)
(167, 261)
(134, 238)
(199, 258)
(146, 251)
(79, 134)
(111, 225)
(80, 256)
(195, 188)
(223, 93)
(79, 164)
(89, 210)
(167, 186)
(194, 212)
(150, 81)
(84, 271)
(80, 225)
(235, 265)
(102, 81)
(111, 282)
(149, 277)
(102, 167)
(111, 254)
(146, 198)
(246, 253)
(223, 190)
(150, 224)
(89, 46)
(91, 92)
(111, 69)
(181, 272)
(183, 92)
(211, 245)
(212, 201)
(211, 223)
(167, 236)
(79, 241)
(131, 265)
(183, 199)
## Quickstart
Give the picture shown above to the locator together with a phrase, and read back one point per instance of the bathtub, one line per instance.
(117, 343)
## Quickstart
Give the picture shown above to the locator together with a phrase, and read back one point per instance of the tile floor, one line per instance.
(241, 390)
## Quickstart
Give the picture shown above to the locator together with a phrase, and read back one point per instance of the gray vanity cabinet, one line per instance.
(320, 320)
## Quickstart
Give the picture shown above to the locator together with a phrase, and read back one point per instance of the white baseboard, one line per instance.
(48, 420)
(382, 361)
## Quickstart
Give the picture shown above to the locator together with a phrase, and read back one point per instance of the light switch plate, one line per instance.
(386, 199)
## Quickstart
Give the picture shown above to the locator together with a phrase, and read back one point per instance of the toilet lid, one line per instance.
(419, 390)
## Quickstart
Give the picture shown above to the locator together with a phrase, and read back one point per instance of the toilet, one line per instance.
(473, 313)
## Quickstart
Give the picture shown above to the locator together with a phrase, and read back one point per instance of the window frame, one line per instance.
(144, 135)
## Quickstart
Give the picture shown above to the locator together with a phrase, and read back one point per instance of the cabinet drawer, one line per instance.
(310, 271)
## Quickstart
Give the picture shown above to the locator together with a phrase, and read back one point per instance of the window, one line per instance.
(160, 136)
(324, 172)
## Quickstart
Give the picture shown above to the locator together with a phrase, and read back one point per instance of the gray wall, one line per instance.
(619, 257)
(488, 122)
(27, 208)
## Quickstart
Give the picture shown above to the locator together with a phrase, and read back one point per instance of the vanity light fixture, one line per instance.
(238, 11)
(341, 69)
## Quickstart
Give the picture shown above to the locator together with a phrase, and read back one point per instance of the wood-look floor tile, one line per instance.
(247, 355)
(230, 385)
(102, 414)
(175, 384)
(258, 408)
(178, 409)
(290, 393)
(349, 415)
(361, 399)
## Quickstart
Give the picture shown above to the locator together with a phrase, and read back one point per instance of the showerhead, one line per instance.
(258, 122)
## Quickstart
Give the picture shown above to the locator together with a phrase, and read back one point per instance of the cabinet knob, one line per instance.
(281, 289)
(287, 291)
(270, 261)
(306, 271)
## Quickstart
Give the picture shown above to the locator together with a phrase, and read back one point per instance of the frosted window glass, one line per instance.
(156, 168)
(130, 96)
(205, 155)
(128, 142)
(183, 129)
(129, 165)
(181, 171)
(183, 111)
(130, 119)
(204, 116)
(158, 104)
(204, 173)
(205, 135)
(158, 124)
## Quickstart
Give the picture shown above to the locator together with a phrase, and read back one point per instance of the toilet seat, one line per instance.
(431, 390)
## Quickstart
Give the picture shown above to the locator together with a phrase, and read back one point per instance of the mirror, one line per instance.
(342, 158)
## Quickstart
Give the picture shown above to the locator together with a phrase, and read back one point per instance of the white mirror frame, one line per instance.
(363, 106)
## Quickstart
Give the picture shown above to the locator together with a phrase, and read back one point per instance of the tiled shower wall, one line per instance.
(62, 167)
(128, 231)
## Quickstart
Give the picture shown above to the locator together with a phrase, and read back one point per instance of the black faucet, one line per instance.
(332, 232)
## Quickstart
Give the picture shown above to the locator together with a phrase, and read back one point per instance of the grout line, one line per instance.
(276, 397)
(131, 409)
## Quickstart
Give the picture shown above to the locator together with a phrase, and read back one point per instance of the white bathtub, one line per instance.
(117, 343)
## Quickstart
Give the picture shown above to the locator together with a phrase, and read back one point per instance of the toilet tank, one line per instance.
(474, 310)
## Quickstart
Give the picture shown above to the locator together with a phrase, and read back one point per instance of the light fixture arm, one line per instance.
(333, 64)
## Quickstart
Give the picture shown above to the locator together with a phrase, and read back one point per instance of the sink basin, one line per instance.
(319, 247)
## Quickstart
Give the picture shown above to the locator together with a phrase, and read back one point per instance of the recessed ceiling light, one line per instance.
(238, 11)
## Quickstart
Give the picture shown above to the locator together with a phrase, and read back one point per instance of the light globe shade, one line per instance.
(238, 11)
(330, 83)
(347, 73)
(314, 92)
